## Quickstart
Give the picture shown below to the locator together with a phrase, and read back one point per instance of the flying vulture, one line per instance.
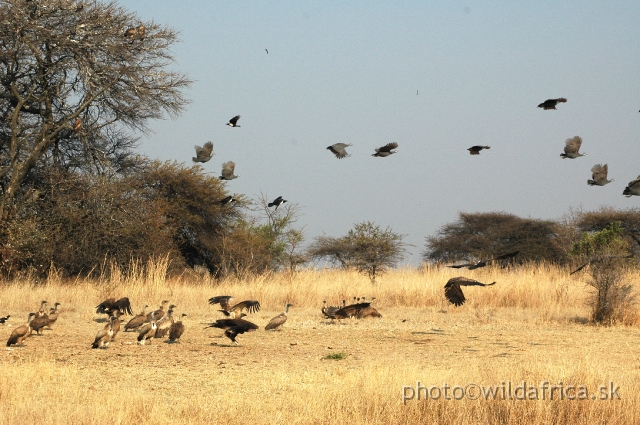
(599, 175)
(633, 188)
(338, 150)
(551, 103)
(203, 153)
(571, 148)
(227, 171)
(475, 150)
(483, 263)
(453, 292)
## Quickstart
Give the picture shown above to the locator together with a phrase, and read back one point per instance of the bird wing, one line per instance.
(599, 172)
(252, 306)
(124, 305)
(338, 149)
(388, 147)
(454, 294)
(221, 299)
(634, 183)
(234, 120)
(105, 305)
(228, 168)
(573, 145)
(505, 256)
(465, 281)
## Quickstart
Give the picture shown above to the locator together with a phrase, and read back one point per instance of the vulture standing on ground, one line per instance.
(176, 330)
(475, 150)
(110, 305)
(279, 320)
(483, 263)
(20, 333)
(203, 153)
(338, 149)
(104, 336)
(453, 292)
(148, 331)
(277, 202)
(233, 122)
(571, 148)
(159, 313)
(551, 103)
(137, 320)
(386, 150)
(42, 311)
(163, 325)
(252, 306)
(233, 327)
(633, 188)
(599, 175)
(227, 171)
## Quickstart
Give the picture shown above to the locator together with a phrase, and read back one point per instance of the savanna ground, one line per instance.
(531, 326)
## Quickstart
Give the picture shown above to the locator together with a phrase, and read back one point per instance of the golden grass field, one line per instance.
(530, 326)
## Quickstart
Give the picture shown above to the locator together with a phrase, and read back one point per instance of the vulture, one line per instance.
(551, 103)
(571, 148)
(252, 306)
(453, 292)
(159, 313)
(227, 171)
(633, 188)
(39, 323)
(233, 327)
(266, 51)
(203, 153)
(19, 334)
(351, 310)
(4, 319)
(53, 314)
(599, 175)
(104, 336)
(475, 150)
(137, 320)
(163, 325)
(483, 263)
(233, 122)
(279, 320)
(599, 259)
(223, 300)
(110, 305)
(77, 126)
(277, 202)
(229, 199)
(176, 330)
(331, 310)
(115, 328)
(148, 330)
(338, 149)
(386, 150)
(368, 312)
(41, 312)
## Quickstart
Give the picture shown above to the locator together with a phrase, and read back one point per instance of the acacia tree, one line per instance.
(71, 82)
(367, 248)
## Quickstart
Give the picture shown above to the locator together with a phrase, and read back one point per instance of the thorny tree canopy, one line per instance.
(71, 76)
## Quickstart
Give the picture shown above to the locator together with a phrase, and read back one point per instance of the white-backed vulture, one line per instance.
(233, 327)
(110, 305)
(159, 313)
(103, 337)
(279, 320)
(163, 325)
(176, 330)
(223, 300)
(251, 306)
(20, 333)
(454, 293)
(148, 331)
(137, 320)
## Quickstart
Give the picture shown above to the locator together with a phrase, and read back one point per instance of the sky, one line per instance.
(436, 77)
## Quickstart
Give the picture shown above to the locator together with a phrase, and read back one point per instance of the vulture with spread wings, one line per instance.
(203, 153)
(551, 103)
(483, 263)
(454, 293)
(599, 175)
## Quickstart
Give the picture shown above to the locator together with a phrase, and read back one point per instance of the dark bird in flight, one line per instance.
(110, 305)
(475, 150)
(571, 148)
(266, 51)
(279, 320)
(251, 306)
(203, 153)
(599, 259)
(483, 263)
(4, 319)
(551, 103)
(386, 150)
(223, 300)
(233, 122)
(599, 175)
(229, 199)
(277, 202)
(453, 292)
(338, 149)
(227, 171)
(233, 327)
(633, 188)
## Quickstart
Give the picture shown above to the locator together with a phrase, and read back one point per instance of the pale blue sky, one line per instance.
(348, 72)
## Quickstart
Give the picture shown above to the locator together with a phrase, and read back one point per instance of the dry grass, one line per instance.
(529, 326)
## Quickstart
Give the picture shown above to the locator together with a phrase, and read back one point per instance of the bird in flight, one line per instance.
(475, 150)
(454, 293)
(233, 122)
(551, 103)
(227, 171)
(229, 199)
(483, 263)
(599, 175)
(386, 150)
(633, 188)
(277, 202)
(571, 148)
(266, 51)
(203, 153)
(338, 150)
